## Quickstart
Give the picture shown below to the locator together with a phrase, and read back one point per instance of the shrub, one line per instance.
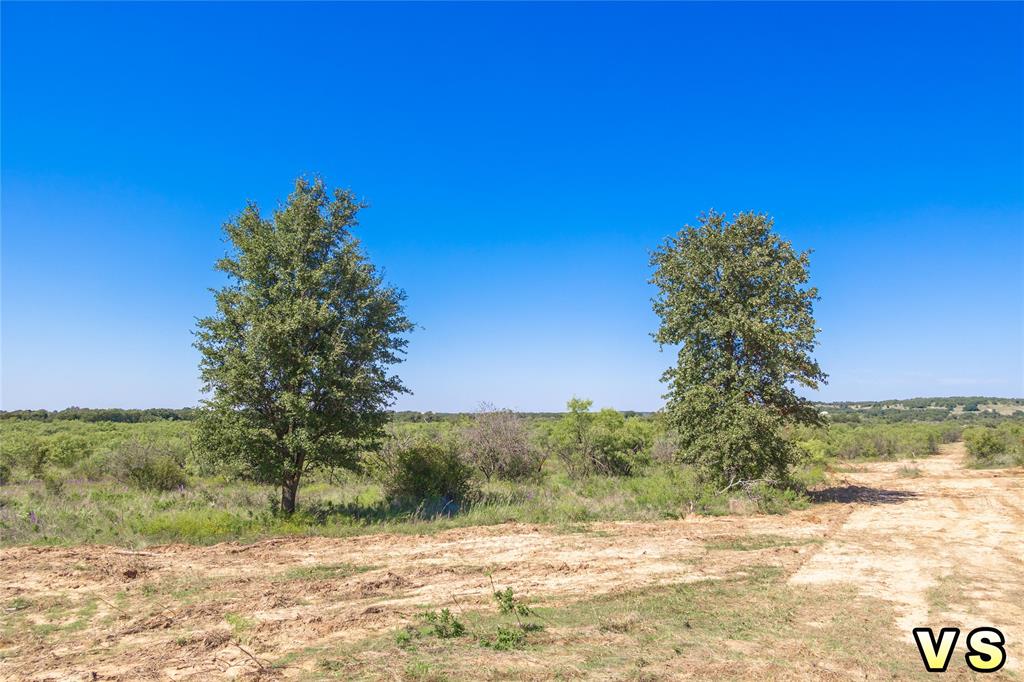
(65, 450)
(415, 470)
(53, 482)
(36, 457)
(150, 467)
(985, 443)
(498, 444)
(601, 443)
(5, 472)
(95, 467)
(775, 499)
(885, 441)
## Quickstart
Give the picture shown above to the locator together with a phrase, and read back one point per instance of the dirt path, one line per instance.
(944, 547)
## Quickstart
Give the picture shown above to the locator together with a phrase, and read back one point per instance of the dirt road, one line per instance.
(940, 544)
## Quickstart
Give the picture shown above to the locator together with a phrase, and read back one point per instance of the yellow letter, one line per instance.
(987, 654)
(936, 654)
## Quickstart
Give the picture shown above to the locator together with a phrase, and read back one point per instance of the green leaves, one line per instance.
(732, 296)
(297, 355)
(604, 442)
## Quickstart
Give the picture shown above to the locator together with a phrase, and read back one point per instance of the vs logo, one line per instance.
(985, 649)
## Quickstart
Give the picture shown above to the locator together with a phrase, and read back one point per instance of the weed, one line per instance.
(506, 639)
(509, 604)
(405, 636)
(238, 622)
(331, 665)
(906, 471)
(444, 624)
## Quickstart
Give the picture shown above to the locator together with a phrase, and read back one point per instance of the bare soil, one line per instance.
(941, 544)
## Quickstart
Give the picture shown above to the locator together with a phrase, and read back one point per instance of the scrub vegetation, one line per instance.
(141, 480)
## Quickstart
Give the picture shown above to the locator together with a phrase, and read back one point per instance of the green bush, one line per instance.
(506, 638)
(149, 467)
(444, 624)
(605, 442)
(95, 467)
(412, 471)
(53, 481)
(776, 500)
(36, 457)
(875, 441)
(65, 450)
(984, 442)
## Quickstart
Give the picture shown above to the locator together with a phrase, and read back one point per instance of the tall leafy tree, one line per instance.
(733, 296)
(298, 354)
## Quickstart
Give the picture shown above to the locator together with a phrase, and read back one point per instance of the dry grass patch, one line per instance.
(750, 623)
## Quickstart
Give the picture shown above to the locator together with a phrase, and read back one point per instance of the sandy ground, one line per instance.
(945, 548)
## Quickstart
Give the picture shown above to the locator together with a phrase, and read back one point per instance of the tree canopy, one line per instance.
(733, 296)
(298, 354)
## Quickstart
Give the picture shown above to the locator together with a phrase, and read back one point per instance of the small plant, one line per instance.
(238, 622)
(405, 636)
(506, 639)
(908, 472)
(509, 637)
(509, 604)
(444, 624)
(331, 665)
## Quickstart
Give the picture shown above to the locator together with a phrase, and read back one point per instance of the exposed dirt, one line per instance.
(945, 548)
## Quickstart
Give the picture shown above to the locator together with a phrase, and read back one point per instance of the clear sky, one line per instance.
(521, 160)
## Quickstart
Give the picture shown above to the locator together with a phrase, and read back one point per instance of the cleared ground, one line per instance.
(826, 593)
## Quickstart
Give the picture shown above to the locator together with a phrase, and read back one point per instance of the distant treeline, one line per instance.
(423, 417)
(151, 414)
(913, 409)
(918, 409)
(949, 403)
(113, 414)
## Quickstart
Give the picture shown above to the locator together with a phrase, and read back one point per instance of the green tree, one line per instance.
(297, 356)
(733, 296)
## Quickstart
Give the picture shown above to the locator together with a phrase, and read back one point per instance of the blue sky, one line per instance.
(521, 160)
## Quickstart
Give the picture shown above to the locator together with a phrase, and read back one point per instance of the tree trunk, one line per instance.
(289, 492)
